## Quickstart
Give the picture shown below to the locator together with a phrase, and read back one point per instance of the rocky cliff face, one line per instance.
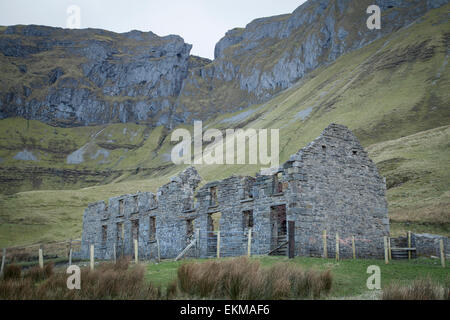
(270, 54)
(81, 77)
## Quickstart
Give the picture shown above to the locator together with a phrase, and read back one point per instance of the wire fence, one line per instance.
(228, 243)
(50, 250)
(248, 242)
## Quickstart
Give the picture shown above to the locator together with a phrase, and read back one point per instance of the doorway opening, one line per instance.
(120, 235)
(213, 226)
(189, 230)
(278, 226)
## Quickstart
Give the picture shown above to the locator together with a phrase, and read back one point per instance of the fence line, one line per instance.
(40, 251)
(234, 243)
(44, 243)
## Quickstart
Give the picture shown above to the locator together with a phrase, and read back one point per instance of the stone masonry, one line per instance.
(331, 185)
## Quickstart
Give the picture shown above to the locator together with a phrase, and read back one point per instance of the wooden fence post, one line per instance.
(441, 245)
(92, 257)
(41, 258)
(159, 253)
(70, 257)
(70, 247)
(136, 251)
(249, 243)
(218, 244)
(409, 245)
(353, 247)
(291, 235)
(123, 242)
(325, 249)
(389, 247)
(337, 246)
(197, 244)
(3, 262)
(70, 252)
(386, 251)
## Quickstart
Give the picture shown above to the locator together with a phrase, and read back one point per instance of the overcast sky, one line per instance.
(200, 22)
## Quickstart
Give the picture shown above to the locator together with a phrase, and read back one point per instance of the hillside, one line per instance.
(269, 55)
(393, 93)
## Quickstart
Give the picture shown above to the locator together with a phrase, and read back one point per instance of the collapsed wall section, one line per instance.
(145, 216)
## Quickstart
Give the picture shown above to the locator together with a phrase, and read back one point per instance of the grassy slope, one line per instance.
(392, 94)
(417, 167)
(112, 152)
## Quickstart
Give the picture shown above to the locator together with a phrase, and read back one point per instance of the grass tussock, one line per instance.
(107, 281)
(420, 289)
(240, 278)
(37, 274)
(172, 290)
(12, 272)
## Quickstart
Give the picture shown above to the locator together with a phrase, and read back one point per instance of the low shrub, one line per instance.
(240, 278)
(12, 271)
(16, 289)
(37, 274)
(420, 289)
(107, 281)
(172, 290)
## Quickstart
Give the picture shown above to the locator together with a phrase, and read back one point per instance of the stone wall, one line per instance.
(336, 187)
(135, 212)
(329, 185)
(428, 244)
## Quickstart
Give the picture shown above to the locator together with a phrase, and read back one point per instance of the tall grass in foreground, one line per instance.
(420, 289)
(107, 281)
(240, 278)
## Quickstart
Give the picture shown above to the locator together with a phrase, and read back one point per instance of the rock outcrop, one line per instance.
(270, 54)
(82, 77)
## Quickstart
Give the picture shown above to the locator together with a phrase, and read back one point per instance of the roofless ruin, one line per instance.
(330, 185)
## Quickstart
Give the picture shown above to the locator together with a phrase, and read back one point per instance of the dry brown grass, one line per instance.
(37, 274)
(420, 289)
(172, 290)
(107, 281)
(12, 272)
(16, 289)
(237, 278)
(240, 278)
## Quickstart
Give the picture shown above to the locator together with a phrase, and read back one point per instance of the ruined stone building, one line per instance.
(331, 185)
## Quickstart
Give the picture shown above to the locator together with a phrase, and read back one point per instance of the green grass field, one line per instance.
(350, 276)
